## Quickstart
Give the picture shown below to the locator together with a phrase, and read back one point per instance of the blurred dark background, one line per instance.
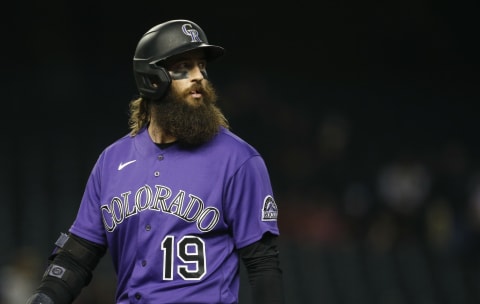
(365, 112)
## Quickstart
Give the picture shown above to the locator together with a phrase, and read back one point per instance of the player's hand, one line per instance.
(39, 298)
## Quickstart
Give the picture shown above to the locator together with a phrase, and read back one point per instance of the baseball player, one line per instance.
(180, 200)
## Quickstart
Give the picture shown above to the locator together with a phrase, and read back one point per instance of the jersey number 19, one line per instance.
(191, 251)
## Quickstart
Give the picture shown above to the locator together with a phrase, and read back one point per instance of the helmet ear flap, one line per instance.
(153, 86)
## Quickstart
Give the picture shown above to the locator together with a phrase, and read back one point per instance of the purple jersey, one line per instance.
(172, 218)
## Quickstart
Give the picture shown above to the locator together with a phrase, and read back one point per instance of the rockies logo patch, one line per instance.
(269, 209)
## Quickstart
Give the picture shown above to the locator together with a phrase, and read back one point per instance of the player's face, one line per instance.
(189, 112)
(188, 72)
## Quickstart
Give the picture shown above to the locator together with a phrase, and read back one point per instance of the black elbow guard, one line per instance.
(87, 254)
(70, 269)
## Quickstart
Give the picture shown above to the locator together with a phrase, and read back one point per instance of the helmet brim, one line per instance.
(212, 52)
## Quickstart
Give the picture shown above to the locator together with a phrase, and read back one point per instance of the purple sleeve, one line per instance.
(88, 223)
(250, 206)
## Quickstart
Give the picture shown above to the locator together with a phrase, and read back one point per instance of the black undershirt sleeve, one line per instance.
(262, 262)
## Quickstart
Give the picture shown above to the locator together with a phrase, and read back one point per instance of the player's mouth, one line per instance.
(196, 91)
(196, 94)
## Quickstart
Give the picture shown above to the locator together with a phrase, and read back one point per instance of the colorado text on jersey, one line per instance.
(161, 199)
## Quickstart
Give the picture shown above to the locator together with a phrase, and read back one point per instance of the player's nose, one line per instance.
(197, 73)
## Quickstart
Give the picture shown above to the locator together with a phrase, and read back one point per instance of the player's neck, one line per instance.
(158, 136)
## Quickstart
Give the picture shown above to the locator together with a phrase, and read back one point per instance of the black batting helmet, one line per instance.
(158, 44)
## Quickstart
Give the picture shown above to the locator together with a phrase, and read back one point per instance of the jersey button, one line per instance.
(144, 263)
(138, 296)
(148, 227)
(156, 174)
(160, 157)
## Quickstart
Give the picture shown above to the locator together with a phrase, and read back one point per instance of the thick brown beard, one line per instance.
(190, 124)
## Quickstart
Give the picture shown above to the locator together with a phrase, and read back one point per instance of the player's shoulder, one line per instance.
(227, 138)
(123, 146)
(120, 142)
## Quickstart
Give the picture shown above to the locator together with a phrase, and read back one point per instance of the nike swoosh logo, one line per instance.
(123, 165)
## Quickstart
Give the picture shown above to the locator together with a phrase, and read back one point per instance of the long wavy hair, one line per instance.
(139, 115)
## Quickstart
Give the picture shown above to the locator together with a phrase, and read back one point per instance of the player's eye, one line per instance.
(182, 66)
(202, 65)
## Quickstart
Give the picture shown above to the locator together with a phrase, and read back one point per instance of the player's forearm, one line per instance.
(51, 291)
(267, 286)
(69, 271)
(262, 262)
(62, 282)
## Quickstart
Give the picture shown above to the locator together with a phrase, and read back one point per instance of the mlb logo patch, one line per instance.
(269, 209)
